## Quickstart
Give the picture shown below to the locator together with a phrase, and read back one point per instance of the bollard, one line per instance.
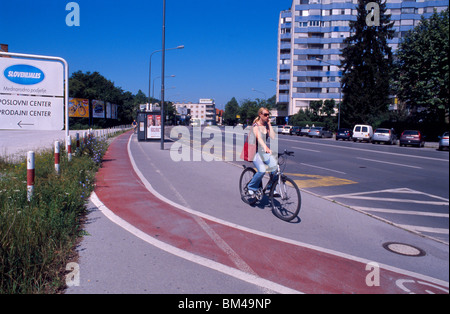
(30, 175)
(57, 150)
(69, 148)
(78, 143)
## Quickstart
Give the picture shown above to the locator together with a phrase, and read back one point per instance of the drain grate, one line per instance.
(403, 249)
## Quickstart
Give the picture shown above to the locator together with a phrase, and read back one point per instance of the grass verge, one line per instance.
(37, 238)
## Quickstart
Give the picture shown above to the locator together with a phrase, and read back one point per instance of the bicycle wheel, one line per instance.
(287, 205)
(245, 179)
(81, 111)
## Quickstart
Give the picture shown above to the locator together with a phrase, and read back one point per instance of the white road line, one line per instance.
(308, 165)
(397, 200)
(309, 150)
(399, 190)
(232, 255)
(401, 212)
(236, 273)
(232, 271)
(389, 163)
(370, 151)
(426, 229)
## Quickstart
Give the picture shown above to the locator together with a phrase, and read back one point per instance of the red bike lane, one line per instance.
(290, 264)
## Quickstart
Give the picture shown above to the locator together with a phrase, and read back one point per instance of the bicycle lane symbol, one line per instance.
(417, 286)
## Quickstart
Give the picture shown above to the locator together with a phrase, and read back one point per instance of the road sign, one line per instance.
(31, 112)
(31, 93)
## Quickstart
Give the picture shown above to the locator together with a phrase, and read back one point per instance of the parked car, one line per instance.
(320, 132)
(412, 137)
(295, 130)
(279, 129)
(305, 131)
(344, 134)
(362, 132)
(384, 136)
(443, 141)
(286, 129)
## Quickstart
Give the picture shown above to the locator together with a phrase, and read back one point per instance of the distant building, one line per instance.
(203, 112)
(310, 39)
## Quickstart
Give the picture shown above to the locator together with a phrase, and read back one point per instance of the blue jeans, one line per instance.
(263, 162)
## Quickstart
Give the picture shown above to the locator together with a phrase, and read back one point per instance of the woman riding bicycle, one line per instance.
(264, 159)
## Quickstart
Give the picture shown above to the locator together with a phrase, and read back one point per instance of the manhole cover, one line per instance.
(403, 249)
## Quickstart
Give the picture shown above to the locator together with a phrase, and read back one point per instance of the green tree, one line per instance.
(231, 111)
(249, 110)
(328, 107)
(94, 86)
(272, 102)
(315, 107)
(367, 62)
(422, 69)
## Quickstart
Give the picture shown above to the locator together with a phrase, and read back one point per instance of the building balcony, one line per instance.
(283, 98)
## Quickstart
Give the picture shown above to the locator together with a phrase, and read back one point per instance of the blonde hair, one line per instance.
(259, 112)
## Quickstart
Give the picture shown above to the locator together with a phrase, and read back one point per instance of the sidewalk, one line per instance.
(229, 247)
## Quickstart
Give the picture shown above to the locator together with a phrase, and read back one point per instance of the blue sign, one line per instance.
(24, 74)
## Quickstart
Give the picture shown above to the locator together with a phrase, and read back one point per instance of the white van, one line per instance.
(362, 132)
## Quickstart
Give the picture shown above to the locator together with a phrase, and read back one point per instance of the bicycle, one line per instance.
(284, 194)
(77, 107)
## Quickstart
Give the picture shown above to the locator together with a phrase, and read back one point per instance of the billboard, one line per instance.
(78, 108)
(27, 94)
(31, 77)
(98, 109)
(153, 126)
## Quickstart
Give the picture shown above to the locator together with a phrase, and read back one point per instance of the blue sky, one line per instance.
(230, 45)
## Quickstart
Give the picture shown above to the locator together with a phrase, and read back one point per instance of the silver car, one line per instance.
(305, 130)
(319, 132)
(384, 136)
(443, 141)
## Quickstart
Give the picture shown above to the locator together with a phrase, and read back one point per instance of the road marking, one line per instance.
(236, 273)
(232, 255)
(310, 150)
(401, 212)
(389, 163)
(426, 229)
(318, 181)
(226, 269)
(371, 151)
(399, 190)
(384, 199)
(308, 165)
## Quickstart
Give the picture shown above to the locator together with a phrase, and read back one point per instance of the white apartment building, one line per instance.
(203, 112)
(310, 39)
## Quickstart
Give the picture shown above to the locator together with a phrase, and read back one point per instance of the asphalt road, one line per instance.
(406, 186)
(211, 188)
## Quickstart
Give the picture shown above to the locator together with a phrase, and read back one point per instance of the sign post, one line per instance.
(33, 92)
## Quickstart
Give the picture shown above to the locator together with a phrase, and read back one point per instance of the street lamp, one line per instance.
(153, 84)
(340, 93)
(255, 90)
(150, 68)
